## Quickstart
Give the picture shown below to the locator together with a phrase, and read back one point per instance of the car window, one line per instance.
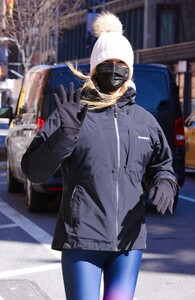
(32, 90)
(56, 78)
(22, 95)
(152, 90)
(48, 101)
(65, 78)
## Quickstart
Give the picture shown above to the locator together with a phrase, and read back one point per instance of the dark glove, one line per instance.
(163, 194)
(68, 106)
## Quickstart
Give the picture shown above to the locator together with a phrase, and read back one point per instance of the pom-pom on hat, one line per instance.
(111, 43)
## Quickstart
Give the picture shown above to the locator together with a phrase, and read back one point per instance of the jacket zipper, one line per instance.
(118, 167)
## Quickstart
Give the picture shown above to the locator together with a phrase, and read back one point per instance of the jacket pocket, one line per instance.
(139, 153)
(88, 220)
(74, 207)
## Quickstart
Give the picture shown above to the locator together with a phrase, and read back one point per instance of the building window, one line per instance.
(92, 3)
(75, 43)
(133, 21)
(167, 24)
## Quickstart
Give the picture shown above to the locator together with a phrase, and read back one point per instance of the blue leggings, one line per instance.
(82, 270)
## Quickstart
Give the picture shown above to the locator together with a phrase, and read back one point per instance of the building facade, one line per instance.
(160, 31)
(147, 24)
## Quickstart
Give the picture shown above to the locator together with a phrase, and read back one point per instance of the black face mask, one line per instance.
(111, 76)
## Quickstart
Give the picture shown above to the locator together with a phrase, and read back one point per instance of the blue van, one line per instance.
(156, 92)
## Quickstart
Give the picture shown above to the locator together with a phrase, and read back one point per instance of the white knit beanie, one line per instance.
(111, 43)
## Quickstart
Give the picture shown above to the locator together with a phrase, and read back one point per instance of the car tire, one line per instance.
(13, 185)
(36, 202)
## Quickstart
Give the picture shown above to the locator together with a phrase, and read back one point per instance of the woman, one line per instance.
(110, 151)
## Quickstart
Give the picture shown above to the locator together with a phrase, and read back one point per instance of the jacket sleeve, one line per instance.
(46, 151)
(160, 164)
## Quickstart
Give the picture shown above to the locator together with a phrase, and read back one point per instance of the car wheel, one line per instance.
(36, 202)
(13, 185)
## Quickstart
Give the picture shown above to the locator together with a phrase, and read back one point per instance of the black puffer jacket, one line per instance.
(117, 149)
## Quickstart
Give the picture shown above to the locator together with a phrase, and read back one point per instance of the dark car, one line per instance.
(156, 92)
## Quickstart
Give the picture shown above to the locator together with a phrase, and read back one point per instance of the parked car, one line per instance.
(4, 125)
(5, 101)
(36, 102)
(156, 91)
(190, 141)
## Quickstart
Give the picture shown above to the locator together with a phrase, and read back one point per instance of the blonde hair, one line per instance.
(101, 100)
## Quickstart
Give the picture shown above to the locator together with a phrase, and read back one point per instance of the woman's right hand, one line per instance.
(69, 109)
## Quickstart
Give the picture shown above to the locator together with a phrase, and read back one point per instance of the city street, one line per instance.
(106, 89)
(29, 269)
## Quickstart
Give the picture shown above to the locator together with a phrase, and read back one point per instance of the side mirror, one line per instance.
(6, 112)
(163, 105)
